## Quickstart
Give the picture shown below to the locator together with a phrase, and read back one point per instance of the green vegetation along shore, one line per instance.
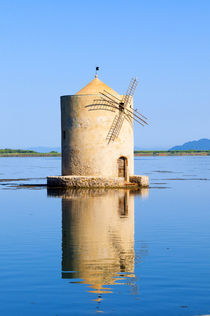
(30, 153)
(26, 153)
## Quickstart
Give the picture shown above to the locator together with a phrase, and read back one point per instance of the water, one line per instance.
(118, 252)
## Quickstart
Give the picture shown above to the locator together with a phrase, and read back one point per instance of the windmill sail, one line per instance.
(110, 102)
(130, 92)
(115, 127)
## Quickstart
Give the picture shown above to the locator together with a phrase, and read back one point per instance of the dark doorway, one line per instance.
(123, 206)
(122, 164)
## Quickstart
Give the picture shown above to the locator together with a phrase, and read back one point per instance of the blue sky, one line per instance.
(51, 48)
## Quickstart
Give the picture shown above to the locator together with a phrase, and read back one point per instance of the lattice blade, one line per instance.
(132, 87)
(130, 116)
(140, 114)
(135, 116)
(115, 127)
(108, 98)
(130, 91)
(113, 96)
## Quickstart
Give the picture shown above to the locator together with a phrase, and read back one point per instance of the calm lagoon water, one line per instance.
(118, 252)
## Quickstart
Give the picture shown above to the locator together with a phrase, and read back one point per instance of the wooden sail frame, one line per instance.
(110, 102)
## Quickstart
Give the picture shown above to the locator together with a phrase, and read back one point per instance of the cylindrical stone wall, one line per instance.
(85, 149)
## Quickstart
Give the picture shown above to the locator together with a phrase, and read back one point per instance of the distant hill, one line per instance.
(201, 144)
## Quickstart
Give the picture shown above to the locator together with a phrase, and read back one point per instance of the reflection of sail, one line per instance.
(98, 238)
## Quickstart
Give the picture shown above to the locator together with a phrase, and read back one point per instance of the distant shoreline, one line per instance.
(137, 153)
(172, 153)
(30, 155)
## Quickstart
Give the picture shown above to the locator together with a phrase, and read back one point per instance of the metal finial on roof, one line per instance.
(97, 69)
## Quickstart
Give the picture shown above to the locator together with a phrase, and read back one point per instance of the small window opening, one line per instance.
(64, 134)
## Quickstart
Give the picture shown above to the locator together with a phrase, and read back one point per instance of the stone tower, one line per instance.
(85, 149)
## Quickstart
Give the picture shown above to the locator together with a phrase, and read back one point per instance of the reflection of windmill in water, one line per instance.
(98, 239)
(122, 107)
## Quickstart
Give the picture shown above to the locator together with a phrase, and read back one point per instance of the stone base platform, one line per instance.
(96, 182)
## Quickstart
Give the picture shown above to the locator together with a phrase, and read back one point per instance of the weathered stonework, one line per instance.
(141, 181)
(96, 182)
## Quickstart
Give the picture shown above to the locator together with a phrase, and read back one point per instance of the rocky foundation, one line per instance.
(96, 182)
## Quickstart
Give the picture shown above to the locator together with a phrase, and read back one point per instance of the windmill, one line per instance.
(121, 107)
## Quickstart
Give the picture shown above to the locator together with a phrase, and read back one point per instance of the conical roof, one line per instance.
(95, 87)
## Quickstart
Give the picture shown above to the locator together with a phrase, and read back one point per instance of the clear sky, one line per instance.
(50, 48)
